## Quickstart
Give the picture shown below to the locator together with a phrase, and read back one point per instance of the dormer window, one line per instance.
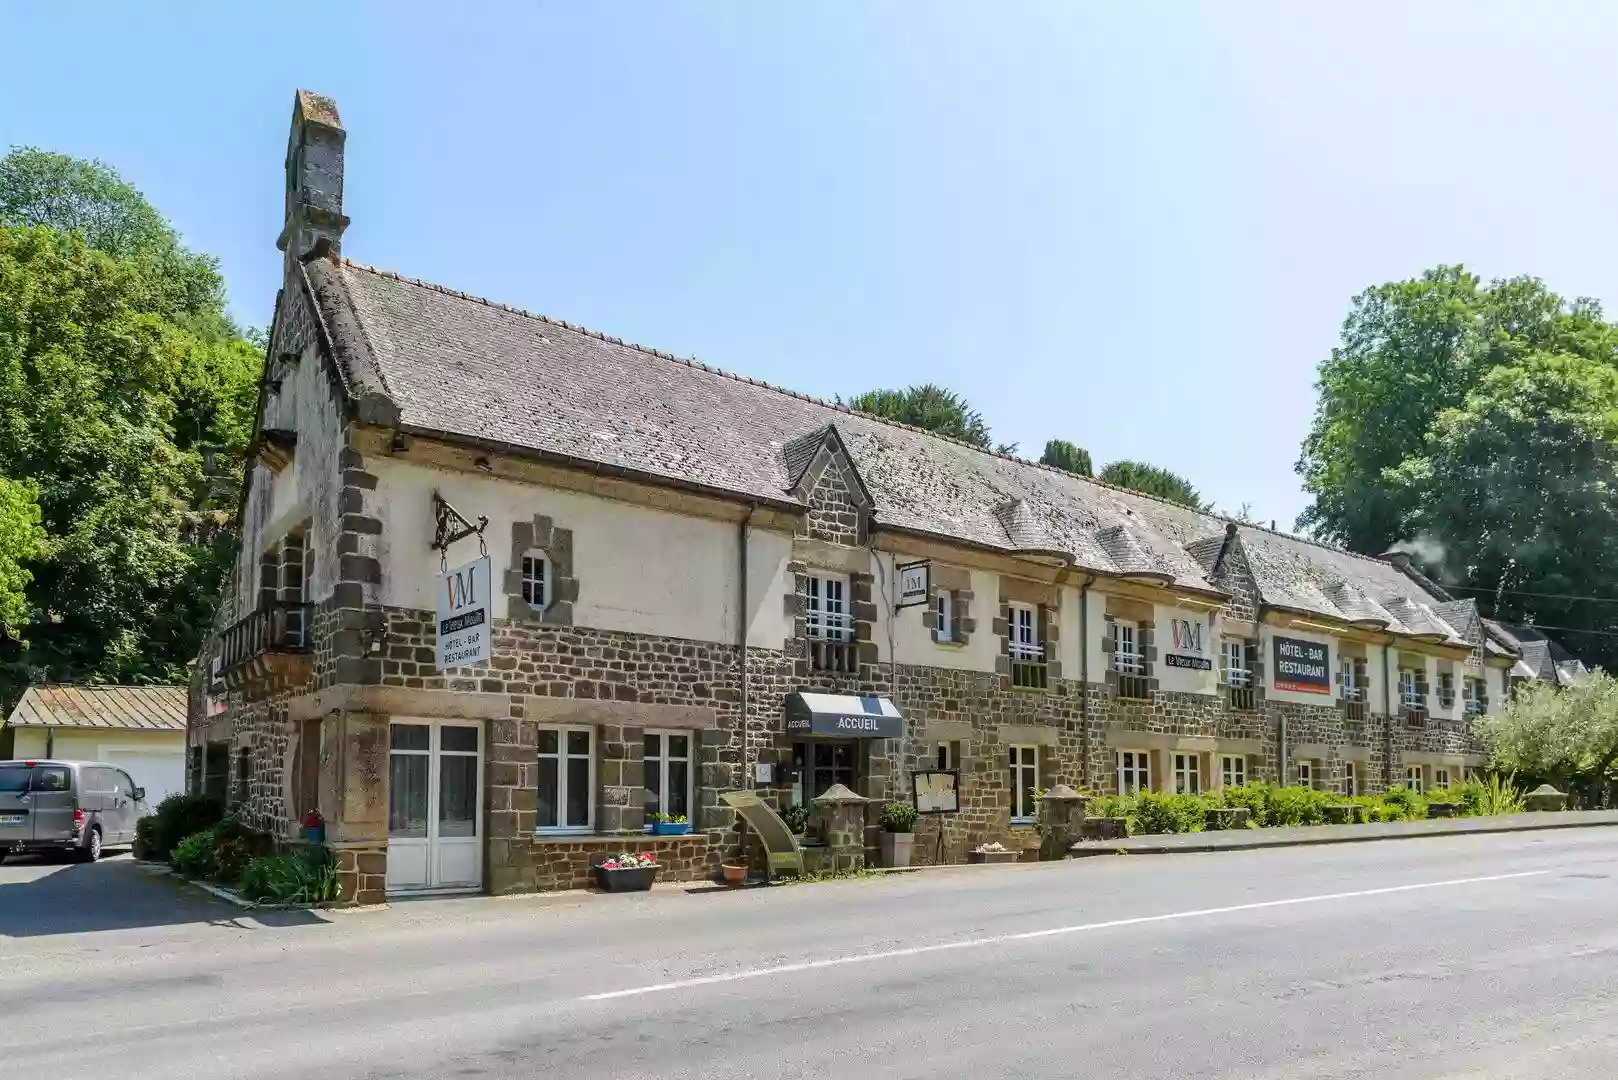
(536, 580)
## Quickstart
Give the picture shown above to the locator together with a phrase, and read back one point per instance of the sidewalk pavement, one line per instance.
(1248, 839)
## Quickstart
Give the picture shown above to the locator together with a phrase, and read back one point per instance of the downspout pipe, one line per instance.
(1084, 682)
(1387, 727)
(743, 528)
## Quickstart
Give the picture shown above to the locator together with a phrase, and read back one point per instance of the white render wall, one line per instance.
(1184, 680)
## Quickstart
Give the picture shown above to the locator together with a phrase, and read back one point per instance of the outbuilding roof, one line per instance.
(115, 708)
(458, 366)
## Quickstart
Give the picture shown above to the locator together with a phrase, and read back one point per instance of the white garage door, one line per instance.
(160, 774)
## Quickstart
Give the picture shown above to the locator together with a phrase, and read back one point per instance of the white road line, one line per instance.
(1028, 935)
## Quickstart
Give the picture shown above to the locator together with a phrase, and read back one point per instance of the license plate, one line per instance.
(12, 819)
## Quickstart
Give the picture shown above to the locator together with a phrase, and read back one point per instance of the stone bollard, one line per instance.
(842, 816)
(1544, 797)
(1062, 819)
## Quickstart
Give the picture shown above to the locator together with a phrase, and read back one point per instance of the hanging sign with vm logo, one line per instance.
(463, 615)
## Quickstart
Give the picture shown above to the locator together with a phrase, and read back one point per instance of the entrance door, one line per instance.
(435, 805)
(819, 765)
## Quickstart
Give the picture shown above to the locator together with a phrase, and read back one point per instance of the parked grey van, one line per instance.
(70, 806)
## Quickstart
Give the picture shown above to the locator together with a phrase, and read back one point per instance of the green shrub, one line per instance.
(1501, 795)
(1375, 808)
(1404, 804)
(1158, 813)
(1255, 796)
(145, 831)
(899, 817)
(1297, 806)
(178, 817)
(796, 817)
(194, 856)
(306, 876)
(1109, 806)
(1468, 795)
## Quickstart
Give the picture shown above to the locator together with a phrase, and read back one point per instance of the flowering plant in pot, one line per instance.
(898, 839)
(627, 872)
(670, 825)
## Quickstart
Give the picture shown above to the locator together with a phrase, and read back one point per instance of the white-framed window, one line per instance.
(1025, 633)
(944, 617)
(1410, 689)
(1473, 691)
(1134, 772)
(1350, 778)
(536, 580)
(1126, 658)
(945, 756)
(1440, 777)
(1348, 668)
(1306, 774)
(567, 780)
(1233, 770)
(1233, 655)
(828, 615)
(667, 767)
(1187, 774)
(1024, 763)
(1413, 778)
(1446, 690)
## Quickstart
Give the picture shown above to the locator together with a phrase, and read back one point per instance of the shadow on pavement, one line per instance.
(39, 896)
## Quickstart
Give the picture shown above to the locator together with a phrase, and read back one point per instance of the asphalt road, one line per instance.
(1466, 957)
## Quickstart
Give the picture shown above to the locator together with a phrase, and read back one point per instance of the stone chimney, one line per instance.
(314, 204)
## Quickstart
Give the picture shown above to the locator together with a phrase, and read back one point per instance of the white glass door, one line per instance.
(435, 805)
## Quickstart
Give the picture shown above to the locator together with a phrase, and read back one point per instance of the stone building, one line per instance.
(695, 586)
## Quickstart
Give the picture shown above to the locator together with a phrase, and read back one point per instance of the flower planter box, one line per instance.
(1443, 809)
(637, 879)
(977, 855)
(670, 828)
(1103, 828)
(1218, 818)
(1341, 814)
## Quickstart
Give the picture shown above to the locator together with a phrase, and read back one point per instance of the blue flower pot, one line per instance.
(670, 828)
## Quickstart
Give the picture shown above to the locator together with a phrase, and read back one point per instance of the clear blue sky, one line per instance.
(1134, 226)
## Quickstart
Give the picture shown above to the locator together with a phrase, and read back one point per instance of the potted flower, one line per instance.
(995, 852)
(627, 872)
(898, 819)
(670, 825)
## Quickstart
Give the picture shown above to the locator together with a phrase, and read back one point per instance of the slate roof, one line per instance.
(114, 708)
(459, 366)
(1541, 657)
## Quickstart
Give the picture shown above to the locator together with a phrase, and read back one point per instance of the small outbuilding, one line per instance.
(141, 729)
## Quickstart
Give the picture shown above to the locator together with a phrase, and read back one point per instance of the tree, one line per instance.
(1409, 351)
(69, 195)
(1518, 487)
(1151, 480)
(105, 404)
(1567, 736)
(931, 407)
(1061, 454)
(21, 541)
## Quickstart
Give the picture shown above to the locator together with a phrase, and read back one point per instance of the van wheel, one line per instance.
(91, 851)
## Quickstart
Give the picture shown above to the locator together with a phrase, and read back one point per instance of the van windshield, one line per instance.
(14, 778)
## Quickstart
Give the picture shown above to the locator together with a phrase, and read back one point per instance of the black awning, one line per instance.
(849, 716)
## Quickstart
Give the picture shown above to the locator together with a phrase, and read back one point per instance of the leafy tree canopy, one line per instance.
(931, 407)
(117, 367)
(1566, 736)
(21, 542)
(1151, 480)
(1061, 454)
(1409, 351)
(69, 195)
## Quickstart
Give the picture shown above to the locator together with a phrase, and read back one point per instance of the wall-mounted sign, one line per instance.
(847, 716)
(1185, 646)
(915, 584)
(935, 792)
(1301, 666)
(463, 615)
